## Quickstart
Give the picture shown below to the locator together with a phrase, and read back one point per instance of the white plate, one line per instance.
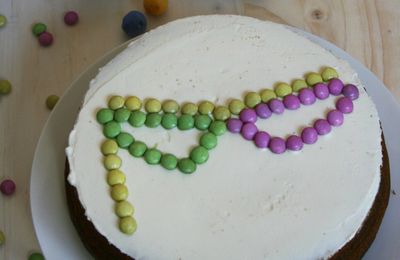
(55, 232)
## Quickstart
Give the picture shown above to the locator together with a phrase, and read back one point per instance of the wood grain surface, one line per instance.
(369, 30)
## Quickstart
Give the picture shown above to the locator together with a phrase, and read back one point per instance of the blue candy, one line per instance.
(134, 23)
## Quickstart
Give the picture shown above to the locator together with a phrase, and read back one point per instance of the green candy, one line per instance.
(283, 89)
(202, 122)
(115, 177)
(124, 140)
(5, 87)
(208, 140)
(221, 113)
(236, 106)
(3, 20)
(51, 101)
(2, 238)
(189, 109)
(169, 121)
(38, 29)
(152, 156)
(112, 162)
(185, 122)
(218, 128)
(153, 120)
(206, 107)
(329, 73)
(127, 225)
(122, 115)
(111, 129)
(199, 155)
(169, 161)
(186, 166)
(152, 106)
(36, 256)
(119, 192)
(104, 115)
(267, 94)
(109, 147)
(313, 78)
(299, 84)
(124, 209)
(116, 102)
(170, 106)
(252, 99)
(137, 118)
(137, 149)
(133, 103)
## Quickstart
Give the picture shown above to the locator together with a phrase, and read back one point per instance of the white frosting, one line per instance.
(244, 203)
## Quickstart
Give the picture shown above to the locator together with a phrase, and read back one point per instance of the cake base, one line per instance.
(100, 248)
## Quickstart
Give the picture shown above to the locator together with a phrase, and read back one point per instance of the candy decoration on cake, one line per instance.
(134, 23)
(239, 117)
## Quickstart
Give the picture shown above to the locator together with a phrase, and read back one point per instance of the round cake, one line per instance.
(301, 172)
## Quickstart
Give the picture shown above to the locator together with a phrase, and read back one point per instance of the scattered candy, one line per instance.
(71, 18)
(169, 161)
(45, 39)
(119, 192)
(3, 20)
(283, 89)
(5, 87)
(252, 99)
(127, 225)
(137, 149)
(51, 101)
(115, 177)
(133, 103)
(134, 23)
(2, 238)
(152, 156)
(36, 256)
(124, 209)
(38, 29)
(155, 7)
(7, 187)
(186, 166)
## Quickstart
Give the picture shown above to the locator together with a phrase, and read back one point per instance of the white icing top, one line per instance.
(244, 203)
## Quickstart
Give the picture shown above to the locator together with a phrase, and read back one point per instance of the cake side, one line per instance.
(268, 191)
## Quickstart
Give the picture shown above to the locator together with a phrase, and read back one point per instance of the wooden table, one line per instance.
(368, 30)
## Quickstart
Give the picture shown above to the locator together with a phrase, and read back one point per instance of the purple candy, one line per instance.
(261, 139)
(335, 86)
(234, 125)
(276, 106)
(249, 130)
(294, 143)
(322, 126)
(248, 115)
(306, 96)
(277, 145)
(291, 102)
(335, 118)
(263, 110)
(7, 187)
(350, 91)
(344, 105)
(321, 90)
(309, 135)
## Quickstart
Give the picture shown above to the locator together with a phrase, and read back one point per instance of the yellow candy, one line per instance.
(221, 113)
(155, 7)
(51, 101)
(235, 106)
(252, 99)
(124, 209)
(267, 95)
(153, 106)
(206, 108)
(283, 89)
(133, 103)
(119, 192)
(189, 109)
(115, 177)
(112, 162)
(313, 78)
(116, 102)
(127, 225)
(2, 238)
(329, 73)
(170, 106)
(299, 84)
(109, 147)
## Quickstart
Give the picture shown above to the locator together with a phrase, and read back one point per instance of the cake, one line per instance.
(279, 184)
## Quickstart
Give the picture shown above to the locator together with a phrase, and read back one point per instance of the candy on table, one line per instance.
(71, 18)
(46, 39)
(3, 20)
(36, 256)
(155, 7)
(5, 87)
(38, 28)
(134, 23)
(2, 238)
(7, 187)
